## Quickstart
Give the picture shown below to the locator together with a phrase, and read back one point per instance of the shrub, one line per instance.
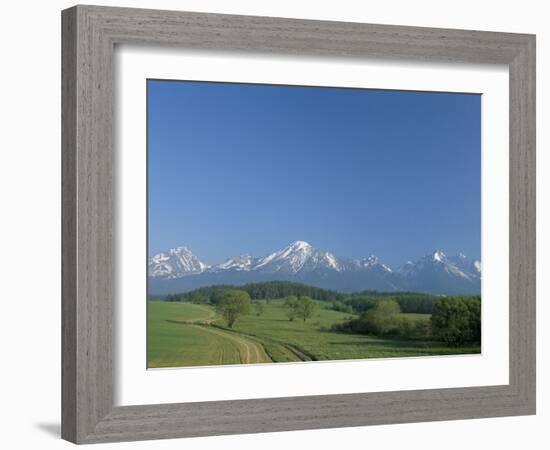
(457, 320)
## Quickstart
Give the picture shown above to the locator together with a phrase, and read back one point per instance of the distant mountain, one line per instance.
(175, 263)
(439, 274)
(298, 257)
(179, 270)
(472, 266)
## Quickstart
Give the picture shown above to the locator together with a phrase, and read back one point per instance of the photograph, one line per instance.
(267, 225)
(291, 223)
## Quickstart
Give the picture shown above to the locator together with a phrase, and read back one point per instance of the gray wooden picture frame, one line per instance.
(89, 36)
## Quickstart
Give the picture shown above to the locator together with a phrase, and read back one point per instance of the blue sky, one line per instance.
(241, 168)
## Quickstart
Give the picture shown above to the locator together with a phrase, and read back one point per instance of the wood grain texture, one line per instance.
(89, 36)
(523, 224)
(68, 224)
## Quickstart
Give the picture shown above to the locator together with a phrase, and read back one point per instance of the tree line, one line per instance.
(256, 291)
(356, 303)
(409, 302)
(453, 321)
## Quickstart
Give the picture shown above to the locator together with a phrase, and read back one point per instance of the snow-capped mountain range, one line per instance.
(178, 269)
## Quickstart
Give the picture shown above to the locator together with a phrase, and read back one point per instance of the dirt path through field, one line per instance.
(250, 352)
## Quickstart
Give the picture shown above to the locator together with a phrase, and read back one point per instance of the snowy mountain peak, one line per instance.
(438, 255)
(174, 263)
(300, 245)
(372, 259)
(292, 258)
(369, 261)
(243, 262)
(477, 265)
(331, 261)
(372, 262)
(447, 273)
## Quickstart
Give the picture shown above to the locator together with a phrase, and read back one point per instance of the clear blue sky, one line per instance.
(241, 168)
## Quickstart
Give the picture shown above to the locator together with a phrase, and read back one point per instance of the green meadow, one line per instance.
(187, 334)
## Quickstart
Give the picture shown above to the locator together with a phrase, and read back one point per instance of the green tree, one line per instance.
(422, 329)
(384, 319)
(232, 304)
(457, 320)
(291, 307)
(305, 307)
(474, 319)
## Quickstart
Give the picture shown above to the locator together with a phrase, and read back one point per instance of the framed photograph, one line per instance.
(277, 224)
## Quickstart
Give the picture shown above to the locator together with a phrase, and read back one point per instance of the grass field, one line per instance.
(179, 334)
(185, 334)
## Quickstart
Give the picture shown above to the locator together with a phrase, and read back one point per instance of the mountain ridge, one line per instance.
(179, 269)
